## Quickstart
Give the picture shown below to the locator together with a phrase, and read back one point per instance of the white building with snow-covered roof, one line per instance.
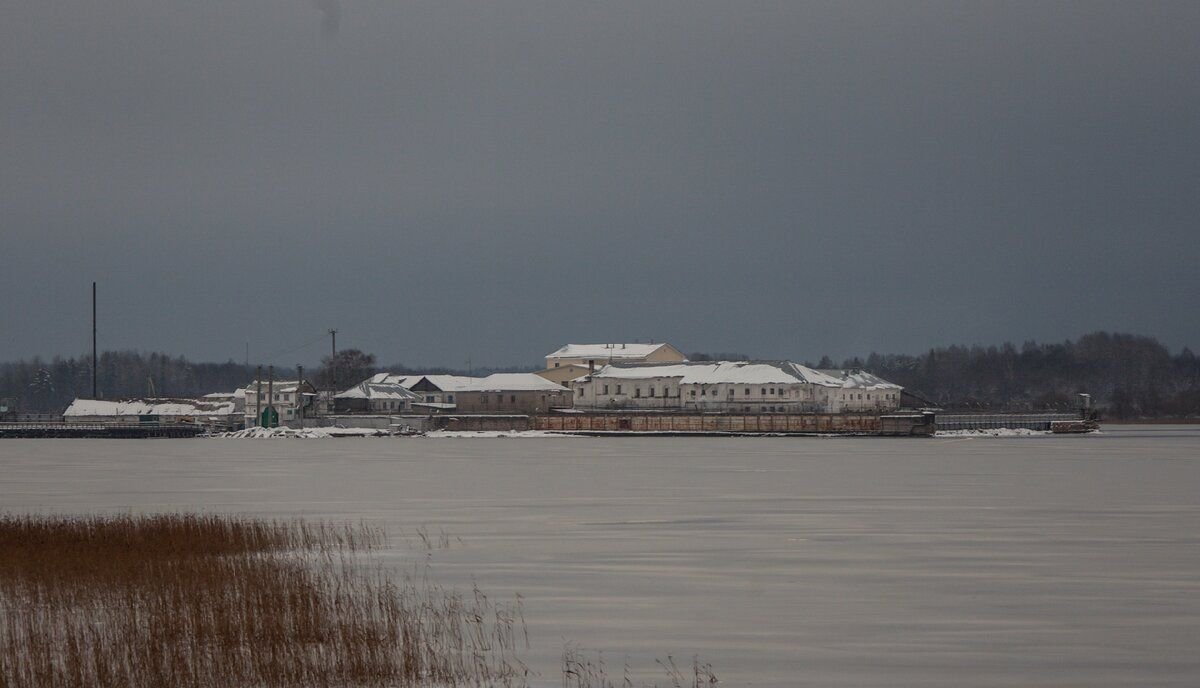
(594, 356)
(722, 386)
(291, 399)
(863, 391)
(216, 413)
(381, 393)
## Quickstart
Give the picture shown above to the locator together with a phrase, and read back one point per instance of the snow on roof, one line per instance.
(383, 389)
(860, 379)
(722, 372)
(148, 407)
(278, 386)
(516, 382)
(446, 383)
(606, 351)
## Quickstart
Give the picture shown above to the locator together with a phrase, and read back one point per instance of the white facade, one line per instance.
(287, 396)
(862, 391)
(731, 386)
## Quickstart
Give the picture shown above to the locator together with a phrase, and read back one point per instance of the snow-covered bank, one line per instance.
(993, 432)
(442, 434)
(305, 434)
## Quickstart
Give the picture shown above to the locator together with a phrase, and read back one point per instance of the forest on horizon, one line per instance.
(1129, 376)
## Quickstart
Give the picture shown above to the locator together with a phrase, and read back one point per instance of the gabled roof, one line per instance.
(278, 386)
(606, 351)
(860, 379)
(445, 383)
(385, 389)
(721, 372)
(516, 382)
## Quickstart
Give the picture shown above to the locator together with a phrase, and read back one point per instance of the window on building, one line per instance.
(747, 394)
(618, 389)
(556, 364)
(651, 391)
(702, 392)
(499, 398)
(772, 390)
(637, 392)
(578, 391)
(692, 393)
(606, 389)
(513, 398)
(763, 391)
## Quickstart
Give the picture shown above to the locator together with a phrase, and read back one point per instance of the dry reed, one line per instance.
(206, 601)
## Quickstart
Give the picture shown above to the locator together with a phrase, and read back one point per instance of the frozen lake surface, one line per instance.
(1013, 561)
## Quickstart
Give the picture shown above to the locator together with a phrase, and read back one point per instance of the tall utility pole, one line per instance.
(258, 396)
(94, 341)
(270, 394)
(300, 395)
(333, 360)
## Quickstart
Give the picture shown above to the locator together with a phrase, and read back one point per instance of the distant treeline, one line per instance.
(1129, 376)
(39, 386)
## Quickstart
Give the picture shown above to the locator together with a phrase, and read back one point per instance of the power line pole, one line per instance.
(270, 395)
(300, 395)
(333, 360)
(94, 362)
(258, 396)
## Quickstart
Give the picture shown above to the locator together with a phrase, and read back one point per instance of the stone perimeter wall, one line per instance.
(766, 423)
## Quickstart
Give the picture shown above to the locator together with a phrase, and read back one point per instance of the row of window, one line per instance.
(499, 398)
(704, 391)
(888, 397)
(250, 396)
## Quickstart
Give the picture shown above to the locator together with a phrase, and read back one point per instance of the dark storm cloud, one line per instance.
(453, 180)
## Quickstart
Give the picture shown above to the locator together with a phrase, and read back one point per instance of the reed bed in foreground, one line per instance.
(205, 601)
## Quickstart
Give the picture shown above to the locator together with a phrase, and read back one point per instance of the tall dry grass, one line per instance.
(205, 601)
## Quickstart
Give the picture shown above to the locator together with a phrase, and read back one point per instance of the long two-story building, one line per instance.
(733, 386)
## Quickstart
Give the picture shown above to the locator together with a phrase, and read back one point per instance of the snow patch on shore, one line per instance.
(443, 434)
(993, 432)
(305, 434)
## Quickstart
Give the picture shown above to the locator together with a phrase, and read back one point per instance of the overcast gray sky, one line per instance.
(448, 180)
